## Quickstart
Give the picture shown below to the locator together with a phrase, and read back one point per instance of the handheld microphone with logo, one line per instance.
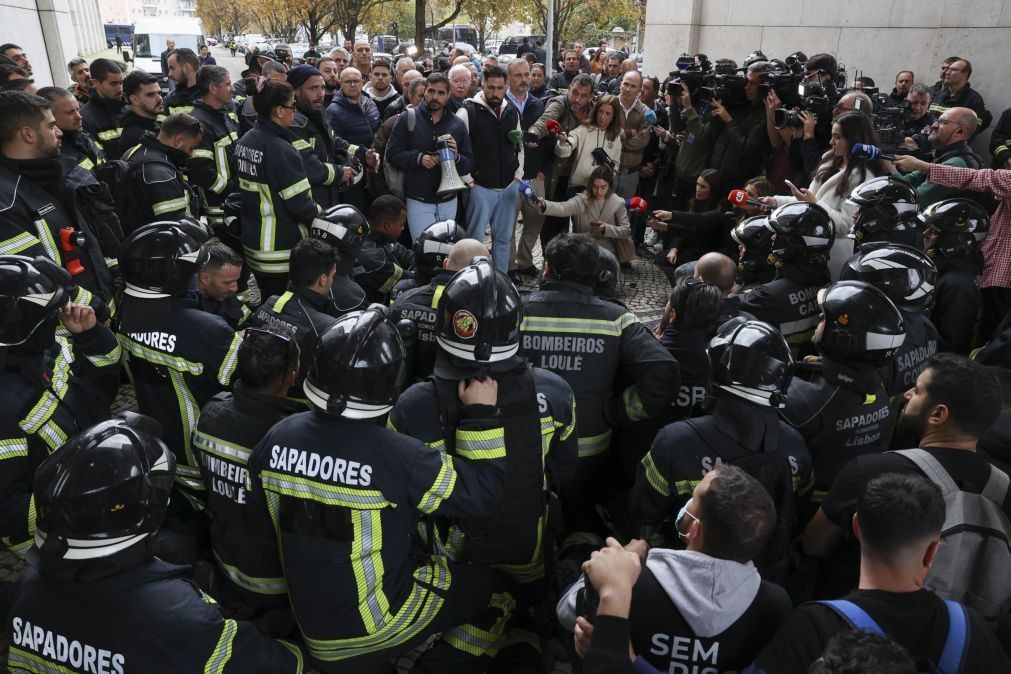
(553, 126)
(740, 198)
(870, 152)
(637, 205)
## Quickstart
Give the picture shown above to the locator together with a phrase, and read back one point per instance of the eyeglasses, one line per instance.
(942, 122)
(954, 70)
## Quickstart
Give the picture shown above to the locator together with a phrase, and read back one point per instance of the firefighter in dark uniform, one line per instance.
(230, 425)
(754, 242)
(420, 305)
(591, 342)
(157, 163)
(46, 211)
(305, 308)
(840, 405)
(104, 108)
(908, 276)
(49, 381)
(804, 235)
(341, 515)
(752, 370)
(383, 258)
(887, 212)
(97, 599)
(277, 204)
(345, 229)
(212, 167)
(325, 156)
(178, 355)
(478, 336)
(77, 147)
(430, 252)
(955, 230)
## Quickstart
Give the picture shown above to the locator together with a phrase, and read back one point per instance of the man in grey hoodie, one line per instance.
(705, 608)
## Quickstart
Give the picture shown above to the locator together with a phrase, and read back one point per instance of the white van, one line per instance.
(150, 36)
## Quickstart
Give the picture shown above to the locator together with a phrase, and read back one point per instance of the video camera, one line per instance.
(602, 159)
(688, 73)
(727, 84)
(813, 98)
(888, 122)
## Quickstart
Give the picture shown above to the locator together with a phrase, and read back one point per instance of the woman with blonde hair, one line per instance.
(599, 213)
(602, 129)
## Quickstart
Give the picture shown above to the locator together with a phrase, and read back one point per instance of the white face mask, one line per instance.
(681, 516)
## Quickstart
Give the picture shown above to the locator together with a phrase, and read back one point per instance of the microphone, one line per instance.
(552, 126)
(740, 198)
(637, 205)
(870, 152)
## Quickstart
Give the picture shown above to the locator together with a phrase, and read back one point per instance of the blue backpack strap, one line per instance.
(955, 643)
(853, 614)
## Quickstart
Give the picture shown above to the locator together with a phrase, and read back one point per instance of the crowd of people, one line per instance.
(360, 433)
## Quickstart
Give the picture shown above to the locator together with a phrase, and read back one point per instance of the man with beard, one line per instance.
(415, 154)
(78, 148)
(954, 402)
(380, 85)
(949, 136)
(33, 183)
(183, 65)
(400, 103)
(314, 139)
(80, 77)
(101, 113)
(327, 67)
(143, 93)
(212, 166)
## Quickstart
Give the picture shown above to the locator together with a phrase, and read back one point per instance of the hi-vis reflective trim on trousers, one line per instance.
(189, 412)
(594, 444)
(486, 444)
(592, 326)
(417, 612)
(653, 475)
(223, 650)
(300, 487)
(441, 488)
(367, 564)
(268, 586)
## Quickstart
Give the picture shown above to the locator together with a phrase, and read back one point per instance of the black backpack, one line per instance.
(773, 471)
(118, 176)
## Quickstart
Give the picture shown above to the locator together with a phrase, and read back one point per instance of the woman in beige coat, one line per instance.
(602, 129)
(599, 213)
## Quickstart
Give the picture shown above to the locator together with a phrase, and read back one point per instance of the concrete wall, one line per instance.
(52, 32)
(878, 37)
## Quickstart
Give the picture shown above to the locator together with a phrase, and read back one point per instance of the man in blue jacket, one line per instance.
(355, 118)
(412, 149)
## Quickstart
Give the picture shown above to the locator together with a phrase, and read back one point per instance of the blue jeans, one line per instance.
(421, 215)
(497, 207)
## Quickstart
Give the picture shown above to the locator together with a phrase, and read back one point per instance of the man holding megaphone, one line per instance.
(433, 149)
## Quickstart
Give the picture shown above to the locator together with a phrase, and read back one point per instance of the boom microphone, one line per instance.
(740, 198)
(870, 152)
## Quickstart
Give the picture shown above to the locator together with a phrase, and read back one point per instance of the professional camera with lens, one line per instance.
(726, 85)
(888, 122)
(785, 83)
(689, 73)
(810, 97)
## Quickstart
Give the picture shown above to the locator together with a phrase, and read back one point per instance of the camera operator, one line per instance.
(949, 136)
(740, 143)
(688, 132)
(822, 69)
(805, 143)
